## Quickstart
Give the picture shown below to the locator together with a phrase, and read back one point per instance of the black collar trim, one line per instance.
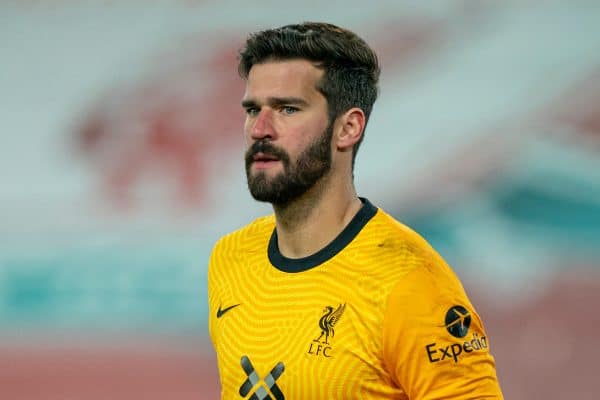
(286, 264)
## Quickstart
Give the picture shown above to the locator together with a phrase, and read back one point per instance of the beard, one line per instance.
(295, 179)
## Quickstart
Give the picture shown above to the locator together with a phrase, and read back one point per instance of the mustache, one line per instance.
(265, 147)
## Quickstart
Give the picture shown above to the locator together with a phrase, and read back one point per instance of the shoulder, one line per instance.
(396, 245)
(393, 229)
(414, 276)
(231, 250)
(425, 267)
(426, 286)
(246, 237)
(432, 335)
(399, 261)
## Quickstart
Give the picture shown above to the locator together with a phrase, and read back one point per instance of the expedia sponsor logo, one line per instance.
(457, 322)
(440, 352)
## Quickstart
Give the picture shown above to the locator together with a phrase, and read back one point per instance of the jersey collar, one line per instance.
(285, 264)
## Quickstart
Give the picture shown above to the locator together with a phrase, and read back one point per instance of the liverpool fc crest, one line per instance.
(327, 322)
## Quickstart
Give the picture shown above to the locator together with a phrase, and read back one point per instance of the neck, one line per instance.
(309, 223)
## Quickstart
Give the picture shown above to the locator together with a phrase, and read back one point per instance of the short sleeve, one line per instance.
(434, 343)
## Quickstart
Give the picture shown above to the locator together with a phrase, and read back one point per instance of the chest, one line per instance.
(311, 336)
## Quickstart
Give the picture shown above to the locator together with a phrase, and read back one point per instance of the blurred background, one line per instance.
(121, 143)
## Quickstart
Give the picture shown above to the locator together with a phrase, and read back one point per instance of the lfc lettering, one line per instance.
(318, 349)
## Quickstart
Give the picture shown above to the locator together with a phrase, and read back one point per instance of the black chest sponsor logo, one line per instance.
(457, 323)
(261, 388)
(331, 316)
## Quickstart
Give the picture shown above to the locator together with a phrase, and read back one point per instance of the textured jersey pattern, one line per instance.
(336, 330)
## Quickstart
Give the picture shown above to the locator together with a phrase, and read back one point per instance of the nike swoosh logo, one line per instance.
(221, 312)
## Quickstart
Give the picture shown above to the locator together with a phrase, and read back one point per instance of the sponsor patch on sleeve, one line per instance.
(457, 323)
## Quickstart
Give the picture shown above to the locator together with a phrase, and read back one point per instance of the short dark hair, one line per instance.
(351, 66)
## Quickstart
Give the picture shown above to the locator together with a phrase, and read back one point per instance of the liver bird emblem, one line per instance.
(328, 321)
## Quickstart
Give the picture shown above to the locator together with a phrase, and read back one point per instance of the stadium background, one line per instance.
(121, 165)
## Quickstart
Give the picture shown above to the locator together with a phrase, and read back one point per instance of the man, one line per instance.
(331, 298)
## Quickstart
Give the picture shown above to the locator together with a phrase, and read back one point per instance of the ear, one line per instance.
(351, 125)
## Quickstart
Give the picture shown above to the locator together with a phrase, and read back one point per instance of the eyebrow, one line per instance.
(276, 101)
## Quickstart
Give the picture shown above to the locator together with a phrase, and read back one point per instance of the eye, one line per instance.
(252, 111)
(289, 110)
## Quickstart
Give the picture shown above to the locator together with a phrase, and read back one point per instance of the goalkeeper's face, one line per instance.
(287, 130)
(296, 178)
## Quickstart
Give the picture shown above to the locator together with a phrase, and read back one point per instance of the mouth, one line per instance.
(260, 156)
(264, 160)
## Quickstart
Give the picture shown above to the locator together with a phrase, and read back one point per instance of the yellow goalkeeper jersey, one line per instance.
(376, 314)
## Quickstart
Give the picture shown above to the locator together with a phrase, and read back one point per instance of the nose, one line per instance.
(262, 125)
